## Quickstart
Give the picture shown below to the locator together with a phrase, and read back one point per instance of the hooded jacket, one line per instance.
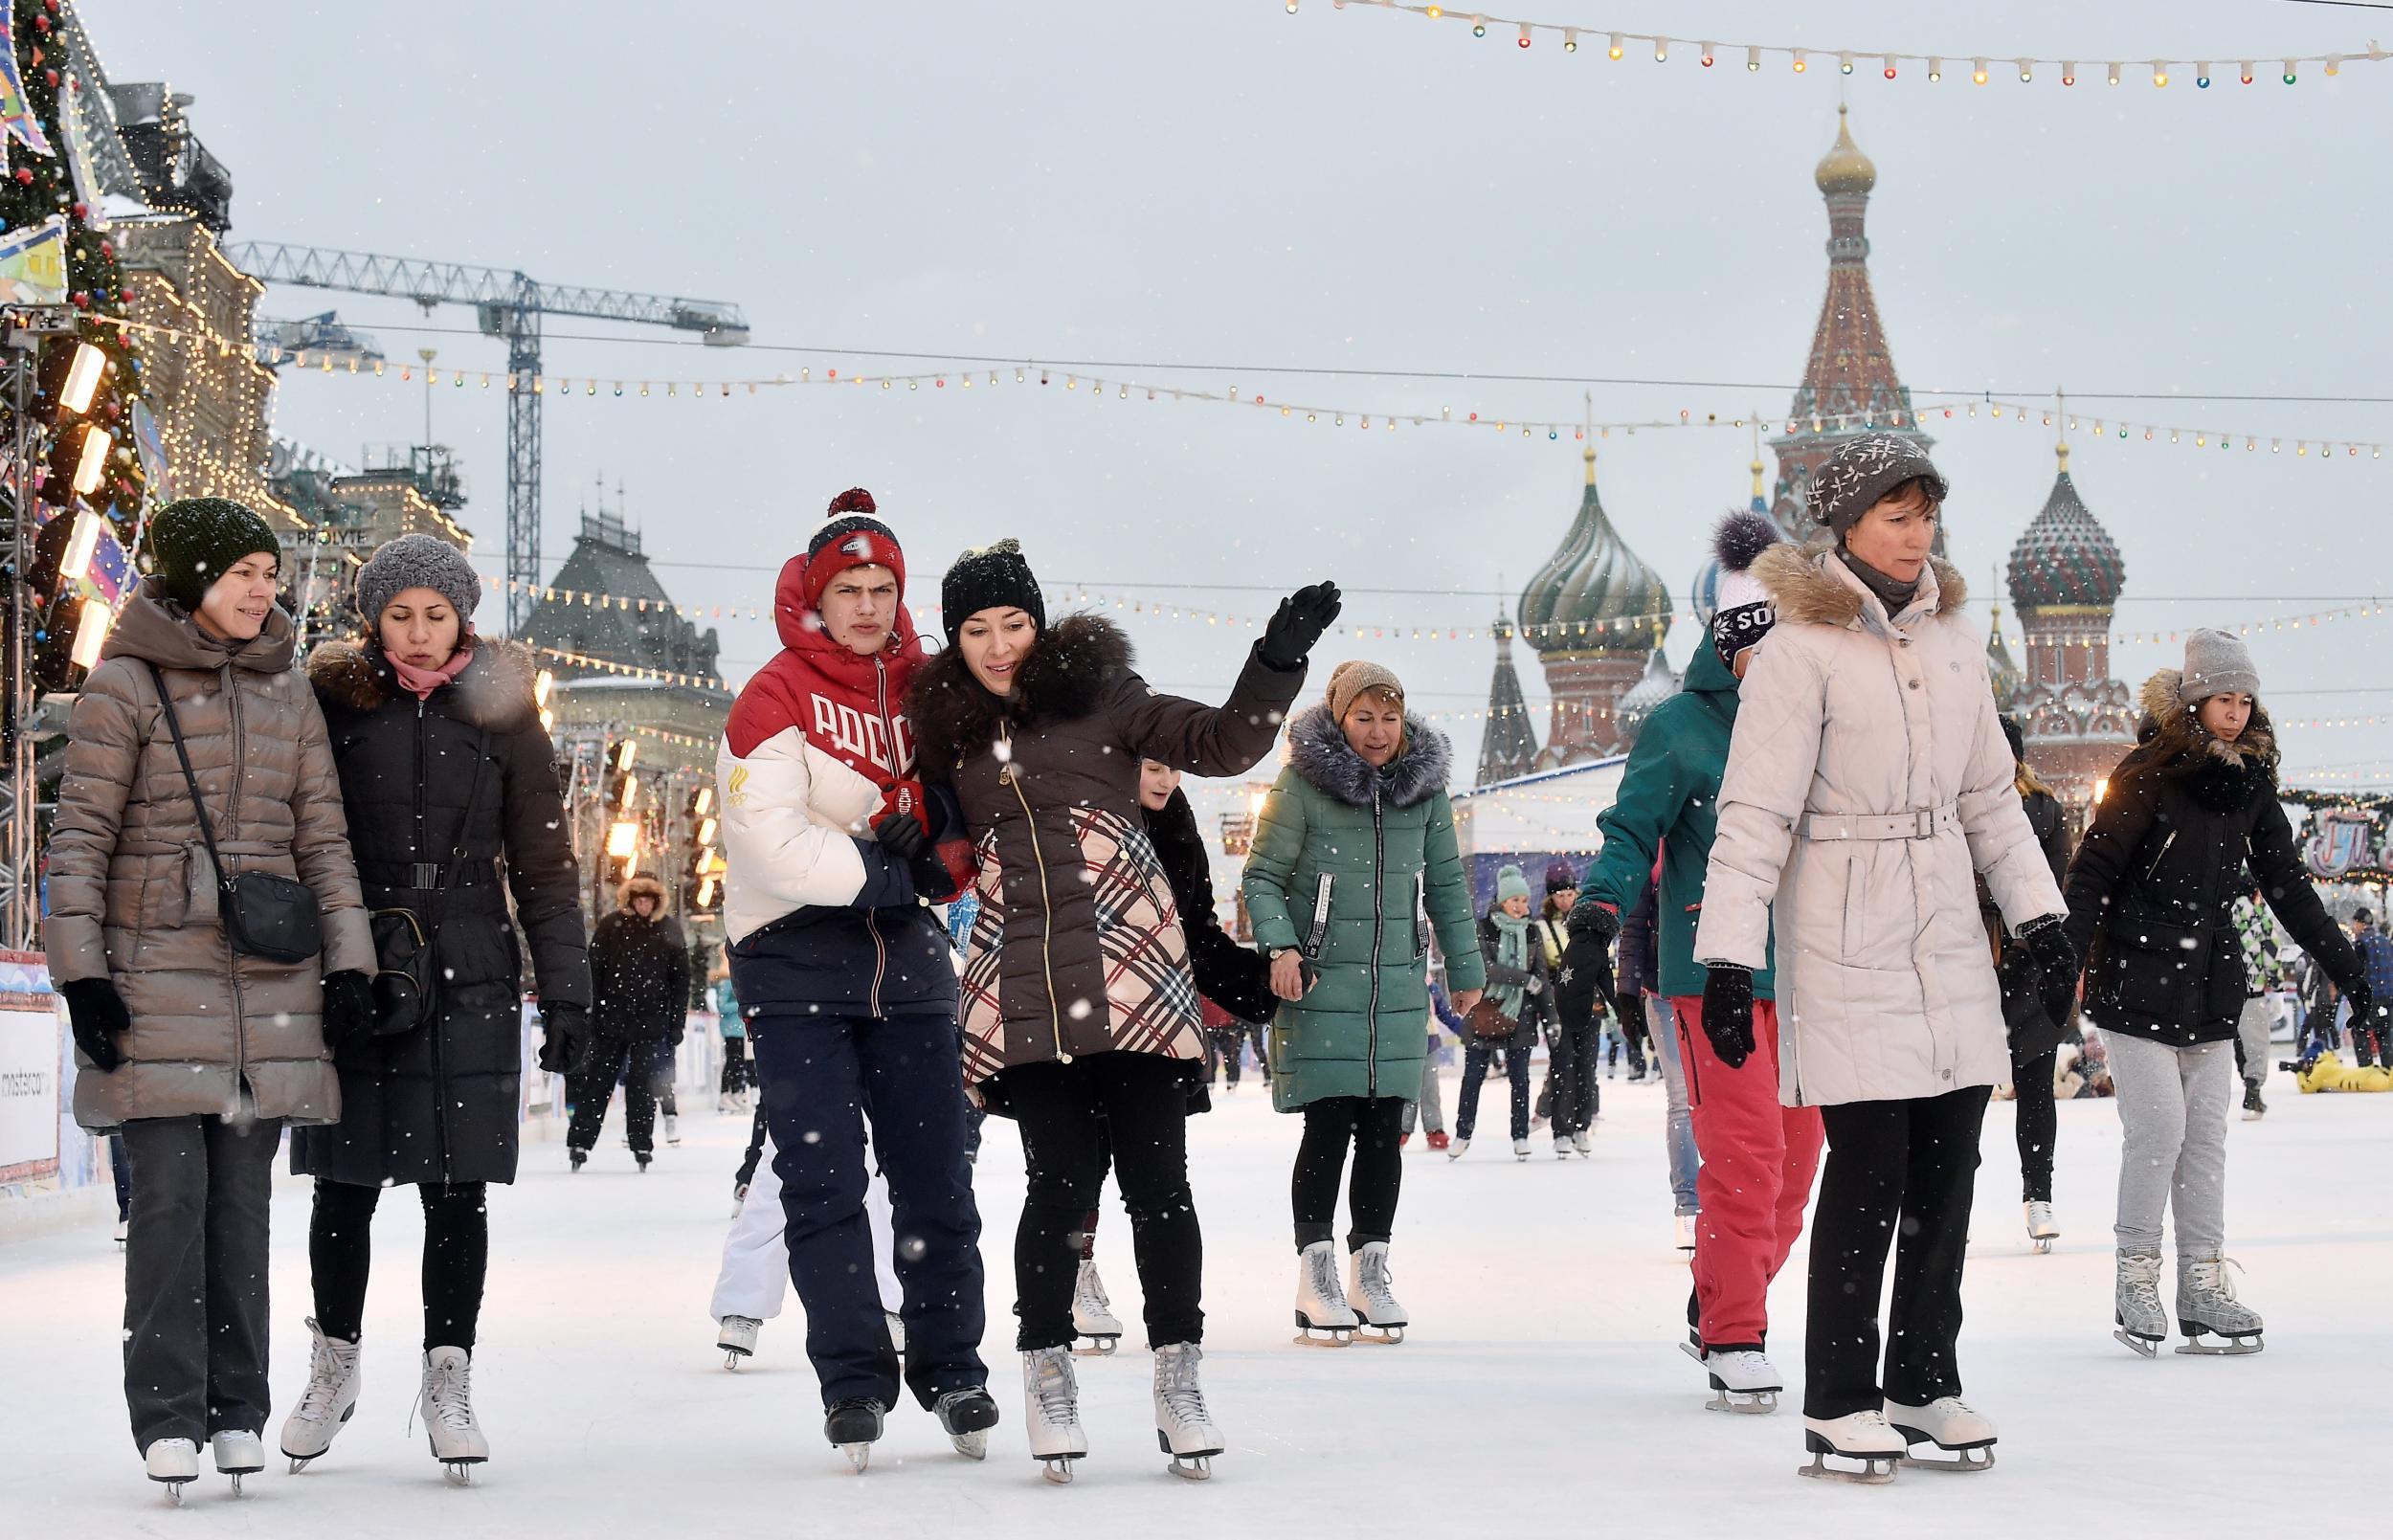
(1077, 946)
(640, 969)
(441, 1104)
(1670, 804)
(2186, 827)
(133, 896)
(1868, 780)
(817, 914)
(1356, 867)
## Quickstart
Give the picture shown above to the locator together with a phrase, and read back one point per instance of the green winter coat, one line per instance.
(1356, 867)
(1670, 798)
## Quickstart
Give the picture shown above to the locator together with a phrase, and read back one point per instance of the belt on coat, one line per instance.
(1921, 823)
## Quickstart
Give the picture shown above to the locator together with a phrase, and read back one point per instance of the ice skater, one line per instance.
(1360, 813)
(755, 1275)
(2188, 813)
(1868, 779)
(640, 982)
(2035, 1036)
(1518, 984)
(1080, 1010)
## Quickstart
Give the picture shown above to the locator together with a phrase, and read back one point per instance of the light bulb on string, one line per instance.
(1479, 25)
(2068, 72)
(1977, 72)
(1799, 61)
(1844, 63)
(1525, 38)
(2245, 68)
(1888, 62)
(2026, 71)
(2115, 74)
(2335, 64)
(1615, 50)
(1570, 40)
(2201, 76)
(1662, 51)
(2160, 74)
(1707, 55)
(2289, 72)
(1753, 58)
(1935, 69)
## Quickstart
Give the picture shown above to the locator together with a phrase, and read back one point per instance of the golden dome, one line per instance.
(1845, 168)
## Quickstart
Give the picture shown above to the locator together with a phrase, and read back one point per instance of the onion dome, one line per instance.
(1845, 168)
(2066, 558)
(1658, 685)
(1594, 594)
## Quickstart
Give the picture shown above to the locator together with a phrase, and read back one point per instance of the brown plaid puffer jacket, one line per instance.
(1078, 948)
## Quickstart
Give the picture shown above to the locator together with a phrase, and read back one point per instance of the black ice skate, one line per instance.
(1859, 1436)
(966, 1417)
(1950, 1424)
(854, 1424)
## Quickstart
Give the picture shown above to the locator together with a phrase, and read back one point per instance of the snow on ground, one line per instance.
(1542, 1394)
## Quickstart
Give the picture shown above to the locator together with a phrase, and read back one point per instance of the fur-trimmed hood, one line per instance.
(2225, 775)
(495, 690)
(1062, 677)
(1808, 593)
(1318, 747)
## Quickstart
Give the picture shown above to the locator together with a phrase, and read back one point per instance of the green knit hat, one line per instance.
(1510, 883)
(196, 541)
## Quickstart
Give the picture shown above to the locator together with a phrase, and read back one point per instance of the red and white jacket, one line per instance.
(817, 747)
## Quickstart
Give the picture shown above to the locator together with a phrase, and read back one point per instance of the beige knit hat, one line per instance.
(1354, 677)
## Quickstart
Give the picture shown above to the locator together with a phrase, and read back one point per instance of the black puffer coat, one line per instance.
(441, 1104)
(2153, 890)
(640, 969)
(1234, 977)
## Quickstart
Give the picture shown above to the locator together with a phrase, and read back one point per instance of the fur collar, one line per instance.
(495, 690)
(1065, 674)
(2226, 776)
(1808, 593)
(1318, 747)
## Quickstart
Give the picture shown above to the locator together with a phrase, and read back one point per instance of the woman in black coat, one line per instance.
(451, 788)
(2035, 1036)
(2190, 822)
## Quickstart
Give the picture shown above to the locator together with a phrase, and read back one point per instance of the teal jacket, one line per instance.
(1669, 800)
(1357, 867)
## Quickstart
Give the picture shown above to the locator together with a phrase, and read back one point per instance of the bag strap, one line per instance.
(174, 725)
(465, 819)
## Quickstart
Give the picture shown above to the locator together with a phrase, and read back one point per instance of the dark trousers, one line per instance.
(122, 1173)
(195, 1276)
(1067, 1112)
(1572, 1054)
(1223, 1047)
(823, 1076)
(456, 1258)
(594, 1087)
(1893, 1167)
(2369, 1046)
(1475, 1074)
(1373, 1125)
(2039, 1124)
(735, 1072)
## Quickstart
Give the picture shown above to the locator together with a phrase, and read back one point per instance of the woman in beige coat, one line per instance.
(1867, 780)
(197, 1054)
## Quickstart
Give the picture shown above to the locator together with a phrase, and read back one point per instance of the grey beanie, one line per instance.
(417, 561)
(2217, 664)
(1865, 469)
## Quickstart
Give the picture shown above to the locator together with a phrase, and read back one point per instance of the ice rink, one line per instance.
(1542, 1394)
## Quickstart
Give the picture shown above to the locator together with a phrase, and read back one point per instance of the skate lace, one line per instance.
(2140, 1271)
(451, 1396)
(1175, 1382)
(325, 1369)
(1092, 1290)
(1379, 1284)
(1059, 1394)
(1321, 1270)
(2210, 1275)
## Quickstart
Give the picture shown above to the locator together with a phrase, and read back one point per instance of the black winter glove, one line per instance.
(1297, 625)
(349, 1008)
(902, 836)
(2047, 943)
(97, 1013)
(1587, 955)
(1729, 1013)
(2365, 1005)
(564, 1039)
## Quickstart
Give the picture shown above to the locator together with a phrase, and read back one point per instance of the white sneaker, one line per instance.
(1051, 1411)
(1685, 1224)
(1184, 1426)
(738, 1339)
(324, 1408)
(1320, 1302)
(447, 1405)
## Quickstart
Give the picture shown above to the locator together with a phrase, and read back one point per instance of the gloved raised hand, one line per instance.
(2047, 941)
(349, 1012)
(564, 1039)
(1297, 625)
(95, 1013)
(1729, 1013)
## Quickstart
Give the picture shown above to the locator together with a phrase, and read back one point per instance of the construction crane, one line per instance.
(506, 304)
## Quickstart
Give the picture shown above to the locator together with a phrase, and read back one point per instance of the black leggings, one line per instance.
(457, 1255)
(2032, 1081)
(1375, 1127)
(1067, 1112)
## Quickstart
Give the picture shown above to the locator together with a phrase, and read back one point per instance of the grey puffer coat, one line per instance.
(132, 894)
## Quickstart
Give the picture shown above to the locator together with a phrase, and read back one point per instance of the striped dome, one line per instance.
(2066, 557)
(1594, 594)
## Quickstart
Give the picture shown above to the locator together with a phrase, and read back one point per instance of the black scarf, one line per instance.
(1891, 593)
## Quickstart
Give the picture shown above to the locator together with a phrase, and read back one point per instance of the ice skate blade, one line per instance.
(237, 1476)
(858, 1455)
(2231, 1347)
(1323, 1337)
(299, 1464)
(731, 1357)
(459, 1472)
(1978, 1456)
(1057, 1468)
(2043, 1244)
(1194, 1464)
(1876, 1470)
(2147, 1347)
(1098, 1347)
(175, 1487)
(973, 1445)
(1386, 1336)
(1692, 1351)
(1753, 1403)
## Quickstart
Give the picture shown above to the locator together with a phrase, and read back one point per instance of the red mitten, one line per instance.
(905, 796)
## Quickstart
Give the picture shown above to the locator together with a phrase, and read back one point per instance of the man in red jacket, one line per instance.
(841, 969)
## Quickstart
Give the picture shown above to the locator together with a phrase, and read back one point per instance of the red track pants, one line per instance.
(1758, 1161)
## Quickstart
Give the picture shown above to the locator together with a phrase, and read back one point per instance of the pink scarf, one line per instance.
(421, 682)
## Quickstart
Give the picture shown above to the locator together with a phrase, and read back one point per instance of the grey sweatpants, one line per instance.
(195, 1276)
(1428, 1109)
(2173, 1104)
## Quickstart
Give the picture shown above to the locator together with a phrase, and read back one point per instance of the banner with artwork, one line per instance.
(32, 264)
(2343, 838)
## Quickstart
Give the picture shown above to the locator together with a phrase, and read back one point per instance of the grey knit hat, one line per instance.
(417, 561)
(1353, 678)
(2217, 664)
(1865, 469)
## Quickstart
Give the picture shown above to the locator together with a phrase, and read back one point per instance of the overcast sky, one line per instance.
(1222, 184)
